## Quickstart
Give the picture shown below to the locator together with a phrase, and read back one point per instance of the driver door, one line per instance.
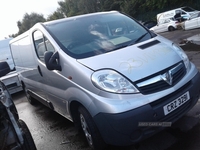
(54, 84)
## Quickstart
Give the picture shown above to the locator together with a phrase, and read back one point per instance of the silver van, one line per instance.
(108, 74)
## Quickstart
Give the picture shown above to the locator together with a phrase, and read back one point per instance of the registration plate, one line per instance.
(176, 103)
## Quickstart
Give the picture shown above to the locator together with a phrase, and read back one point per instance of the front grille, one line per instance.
(161, 81)
(173, 95)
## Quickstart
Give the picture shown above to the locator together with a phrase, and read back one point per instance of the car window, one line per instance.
(163, 21)
(42, 44)
(167, 21)
(91, 35)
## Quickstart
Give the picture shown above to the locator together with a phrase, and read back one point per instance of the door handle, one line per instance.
(38, 67)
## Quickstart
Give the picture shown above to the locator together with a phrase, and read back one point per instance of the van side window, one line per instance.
(42, 44)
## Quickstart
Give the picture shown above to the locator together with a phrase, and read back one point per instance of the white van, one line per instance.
(108, 74)
(185, 12)
(11, 80)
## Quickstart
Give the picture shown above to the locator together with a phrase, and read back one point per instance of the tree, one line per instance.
(69, 7)
(78, 7)
(108, 5)
(87, 6)
(139, 9)
(28, 21)
(58, 14)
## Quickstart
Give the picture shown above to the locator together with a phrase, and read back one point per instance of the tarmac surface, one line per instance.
(51, 131)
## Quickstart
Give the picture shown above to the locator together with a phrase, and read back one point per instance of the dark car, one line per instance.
(14, 133)
(150, 24)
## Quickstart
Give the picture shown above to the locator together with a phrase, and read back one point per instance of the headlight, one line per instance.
(111, 81)
(182, 54)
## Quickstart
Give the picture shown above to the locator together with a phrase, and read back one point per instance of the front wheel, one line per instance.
(90, 130)
(171, 28)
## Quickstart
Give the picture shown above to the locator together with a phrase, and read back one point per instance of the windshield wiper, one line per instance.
(136, 41)
(119, 47)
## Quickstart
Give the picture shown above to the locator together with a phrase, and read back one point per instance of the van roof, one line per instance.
(189, 9)
(75, 17)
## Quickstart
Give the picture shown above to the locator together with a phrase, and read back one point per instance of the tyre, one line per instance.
(90, 130)
(171, 28)
(30, 99)
(28, 140)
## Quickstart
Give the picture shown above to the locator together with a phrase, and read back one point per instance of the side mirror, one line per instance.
(52, 61)
(4, 68)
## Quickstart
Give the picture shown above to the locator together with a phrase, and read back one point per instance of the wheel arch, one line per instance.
(97, 140)
(73, 109)
(77, 97)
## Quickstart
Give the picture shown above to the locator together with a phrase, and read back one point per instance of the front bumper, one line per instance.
(123, 128)
(12, 82)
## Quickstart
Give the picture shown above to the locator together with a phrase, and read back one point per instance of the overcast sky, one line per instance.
(12, 11)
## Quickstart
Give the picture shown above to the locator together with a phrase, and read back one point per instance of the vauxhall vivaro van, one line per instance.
(108, 74)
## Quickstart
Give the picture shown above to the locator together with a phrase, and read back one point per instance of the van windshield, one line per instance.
(188, 9)
(90, 35)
